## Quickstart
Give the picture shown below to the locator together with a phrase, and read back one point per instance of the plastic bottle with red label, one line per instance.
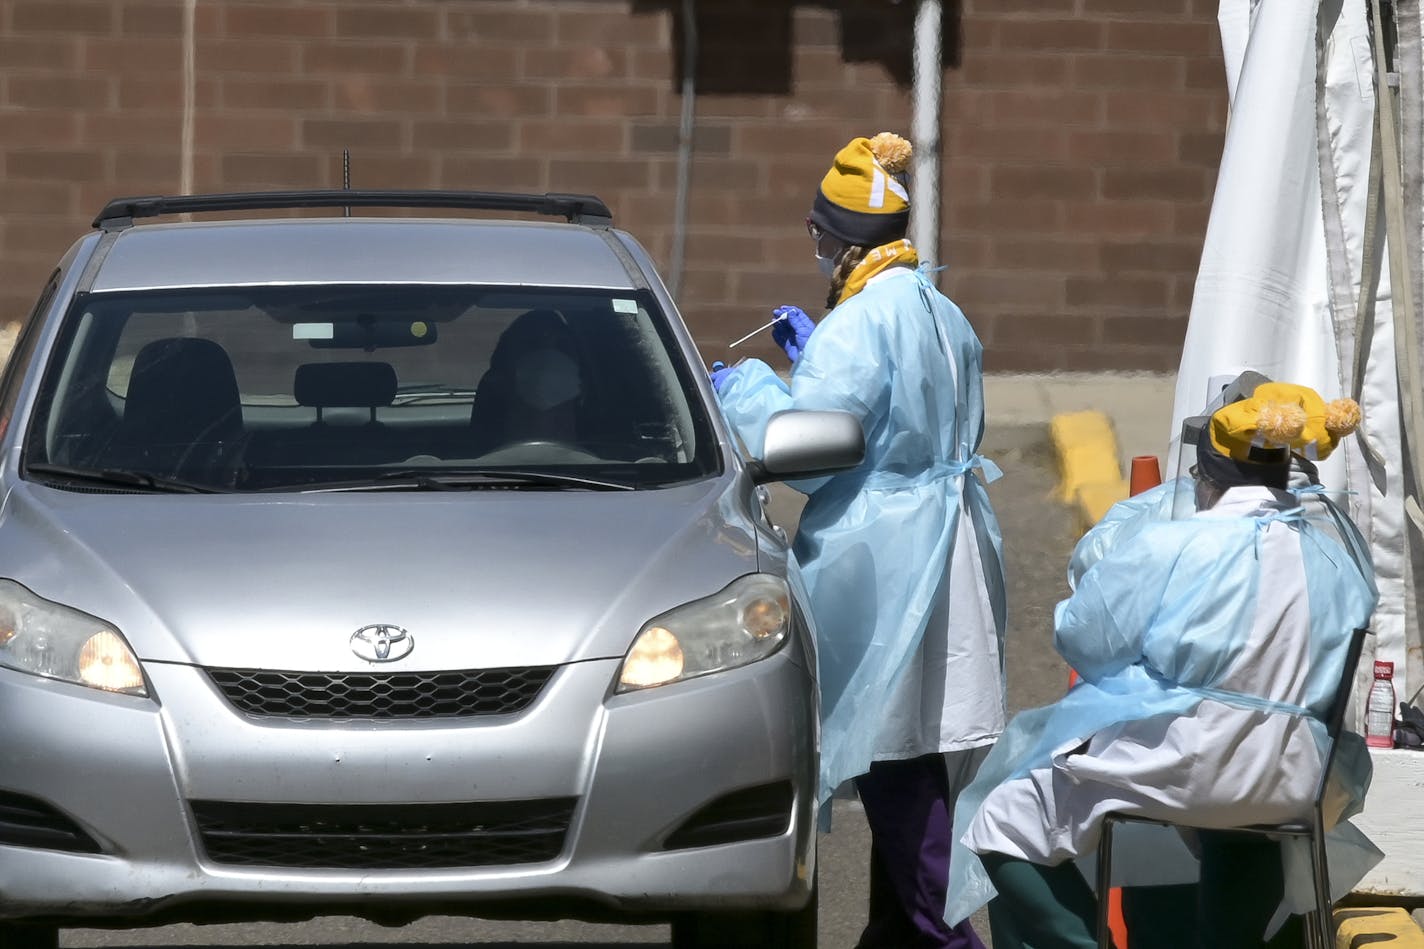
(1379, 709)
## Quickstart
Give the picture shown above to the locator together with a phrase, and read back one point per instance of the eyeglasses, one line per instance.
(814, 230)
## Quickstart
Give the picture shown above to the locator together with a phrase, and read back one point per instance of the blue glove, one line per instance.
(720, 372)
(792, 332)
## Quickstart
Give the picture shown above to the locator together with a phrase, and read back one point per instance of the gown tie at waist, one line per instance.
(1241, 700)
(941, 471)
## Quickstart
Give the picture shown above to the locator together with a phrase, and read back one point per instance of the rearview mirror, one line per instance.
(366, 333)
(807, 444)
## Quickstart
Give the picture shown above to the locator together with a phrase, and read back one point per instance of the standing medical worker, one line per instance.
(902, 556)
(1209, 647)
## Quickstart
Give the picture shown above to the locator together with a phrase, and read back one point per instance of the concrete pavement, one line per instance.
(1097, 422)
(1138, 405)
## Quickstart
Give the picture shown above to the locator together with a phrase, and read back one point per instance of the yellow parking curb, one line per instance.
(1392, 926)
(1090, 475)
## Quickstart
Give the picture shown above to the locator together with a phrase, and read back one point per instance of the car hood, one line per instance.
(482, 579)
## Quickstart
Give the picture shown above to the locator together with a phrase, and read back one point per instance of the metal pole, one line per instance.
(190, 71)
(924, 184)
(684, 145)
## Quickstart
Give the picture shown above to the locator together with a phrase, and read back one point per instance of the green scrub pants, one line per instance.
(1040, 907)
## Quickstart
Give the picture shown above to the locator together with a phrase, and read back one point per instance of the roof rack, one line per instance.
(575, 208)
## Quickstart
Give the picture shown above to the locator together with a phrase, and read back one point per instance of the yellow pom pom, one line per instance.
(1342, 417)
(892, 152)
(1280, 423)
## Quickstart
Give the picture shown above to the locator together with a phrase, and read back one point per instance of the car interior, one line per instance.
(273, 388)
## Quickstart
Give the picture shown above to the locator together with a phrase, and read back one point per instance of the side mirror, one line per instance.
(806, 444)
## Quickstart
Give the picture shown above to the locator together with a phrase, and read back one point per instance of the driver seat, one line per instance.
(182, 414)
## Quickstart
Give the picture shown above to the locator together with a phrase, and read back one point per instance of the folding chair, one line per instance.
(1320, 926)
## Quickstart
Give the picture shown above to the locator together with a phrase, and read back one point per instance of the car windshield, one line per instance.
(367, 388)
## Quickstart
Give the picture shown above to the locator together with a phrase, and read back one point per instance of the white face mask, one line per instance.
(547, 378)
(827, 265)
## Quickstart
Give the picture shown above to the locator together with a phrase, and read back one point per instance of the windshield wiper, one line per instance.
(118, 477)
(468, 479)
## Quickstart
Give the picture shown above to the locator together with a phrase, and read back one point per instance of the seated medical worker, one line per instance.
(1209, 648)
(1165, 916)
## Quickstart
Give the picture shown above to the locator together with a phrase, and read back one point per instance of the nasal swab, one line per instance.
(756, 331)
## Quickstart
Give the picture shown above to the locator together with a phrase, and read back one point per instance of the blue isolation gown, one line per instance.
(1209, 649)
(902, 556)
(1127, 517)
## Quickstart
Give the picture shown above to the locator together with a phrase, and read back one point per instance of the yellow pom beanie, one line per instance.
(864, 198)
(1326, 423)
(1282, 417)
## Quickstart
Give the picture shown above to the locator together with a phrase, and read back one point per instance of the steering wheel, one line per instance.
(539, 450)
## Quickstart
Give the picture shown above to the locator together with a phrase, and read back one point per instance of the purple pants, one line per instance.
(910, 811)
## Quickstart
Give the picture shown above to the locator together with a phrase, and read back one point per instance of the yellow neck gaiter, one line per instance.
(899, 253)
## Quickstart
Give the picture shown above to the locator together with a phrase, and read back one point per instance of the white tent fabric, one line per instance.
(1279, 278)
(1261, 297)
(1409, 18)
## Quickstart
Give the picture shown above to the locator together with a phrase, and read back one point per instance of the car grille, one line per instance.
(395, 695)
(383, 836)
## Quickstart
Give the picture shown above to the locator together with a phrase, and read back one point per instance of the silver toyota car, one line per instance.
(385, 566)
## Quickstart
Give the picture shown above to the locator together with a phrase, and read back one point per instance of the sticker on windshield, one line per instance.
(313, 331)
(625, 306)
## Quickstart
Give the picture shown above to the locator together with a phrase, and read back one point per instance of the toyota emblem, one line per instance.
(381, 642)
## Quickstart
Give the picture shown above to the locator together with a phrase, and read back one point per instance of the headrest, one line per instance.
(536, 329)
(361, 384)
(180, 387)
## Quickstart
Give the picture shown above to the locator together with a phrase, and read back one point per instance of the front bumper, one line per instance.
(635, 768)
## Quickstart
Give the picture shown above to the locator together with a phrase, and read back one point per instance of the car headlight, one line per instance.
(748, 620)
(54, 641)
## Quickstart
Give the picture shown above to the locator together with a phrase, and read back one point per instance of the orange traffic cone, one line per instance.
(1115, 922)
(1145, 474)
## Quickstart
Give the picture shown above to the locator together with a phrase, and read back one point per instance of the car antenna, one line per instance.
(346, 176)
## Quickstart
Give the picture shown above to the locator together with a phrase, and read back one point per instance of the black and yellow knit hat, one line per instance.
(1283, 415)
(864, 198)
(1251, 441)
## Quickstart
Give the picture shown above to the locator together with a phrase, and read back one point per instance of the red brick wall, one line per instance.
(1079, 147)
